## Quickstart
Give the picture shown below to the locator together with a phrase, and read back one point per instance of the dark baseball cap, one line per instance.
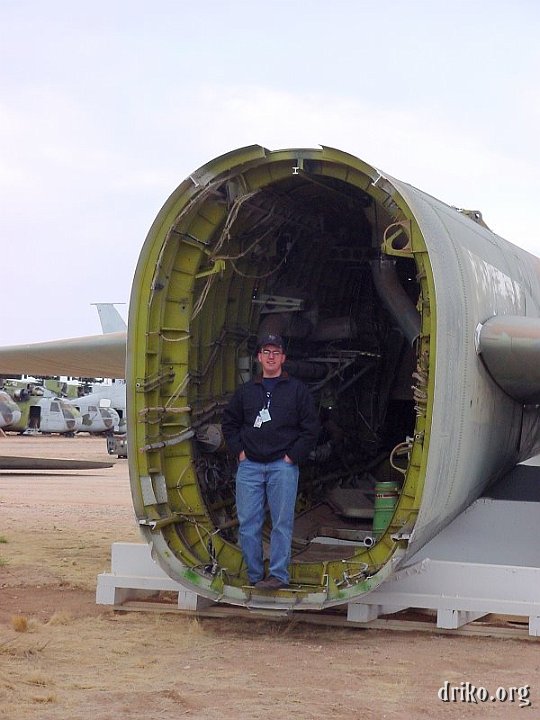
(270, 339)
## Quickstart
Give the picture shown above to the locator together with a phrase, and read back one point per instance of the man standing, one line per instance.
(271, 425)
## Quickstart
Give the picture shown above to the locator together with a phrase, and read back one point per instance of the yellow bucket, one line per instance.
(386, 497)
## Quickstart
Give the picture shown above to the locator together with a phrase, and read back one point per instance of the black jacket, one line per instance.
(292, 431)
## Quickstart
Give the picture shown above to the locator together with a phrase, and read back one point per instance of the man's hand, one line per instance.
(242, 456)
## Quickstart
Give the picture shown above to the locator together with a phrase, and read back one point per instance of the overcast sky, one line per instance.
(106, 106)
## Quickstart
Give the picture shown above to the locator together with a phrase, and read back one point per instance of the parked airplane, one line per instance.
(50, 415)
(40, 411)
(411, 322)
(103, 409)
(103, 405)
(97, 416)
(43, 407)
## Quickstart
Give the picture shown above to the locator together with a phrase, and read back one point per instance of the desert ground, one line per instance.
(64, 657)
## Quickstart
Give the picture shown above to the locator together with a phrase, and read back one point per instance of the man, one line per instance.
(271, 425)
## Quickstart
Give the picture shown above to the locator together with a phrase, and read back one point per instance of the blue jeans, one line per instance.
(257, 483)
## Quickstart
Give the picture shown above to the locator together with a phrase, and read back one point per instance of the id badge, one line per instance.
(258, 422)
(265, 415)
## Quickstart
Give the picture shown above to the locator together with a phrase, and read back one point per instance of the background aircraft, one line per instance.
(57, 406)
(9, 410)
(388, 300)
(110, 318)
(102, 412)
(104, 407)
(49, 414)
(40, 410)
(89, 356)
(115, 392)
(97, 416)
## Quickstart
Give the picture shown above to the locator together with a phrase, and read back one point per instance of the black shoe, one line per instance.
(271, 583)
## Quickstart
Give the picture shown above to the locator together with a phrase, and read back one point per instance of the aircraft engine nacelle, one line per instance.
(379, 290)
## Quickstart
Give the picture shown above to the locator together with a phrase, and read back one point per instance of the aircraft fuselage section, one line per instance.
(378, 289)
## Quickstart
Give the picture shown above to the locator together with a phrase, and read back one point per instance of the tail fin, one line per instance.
(110, 318)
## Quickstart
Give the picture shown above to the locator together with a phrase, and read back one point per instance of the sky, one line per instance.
(106, 106)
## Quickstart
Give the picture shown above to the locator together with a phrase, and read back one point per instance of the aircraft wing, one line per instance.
(12, 462)
(90, 356)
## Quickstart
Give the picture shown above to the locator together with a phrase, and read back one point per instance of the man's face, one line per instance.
(271, 358)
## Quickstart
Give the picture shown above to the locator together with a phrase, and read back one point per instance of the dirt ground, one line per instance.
(63, 657)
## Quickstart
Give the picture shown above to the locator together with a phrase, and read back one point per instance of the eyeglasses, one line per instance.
(271, 353)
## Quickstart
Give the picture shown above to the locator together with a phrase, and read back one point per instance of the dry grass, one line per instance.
(19, 623)
(60, 618)
(48, 698)
(23, 647)
(70, 666)
(39, 678)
